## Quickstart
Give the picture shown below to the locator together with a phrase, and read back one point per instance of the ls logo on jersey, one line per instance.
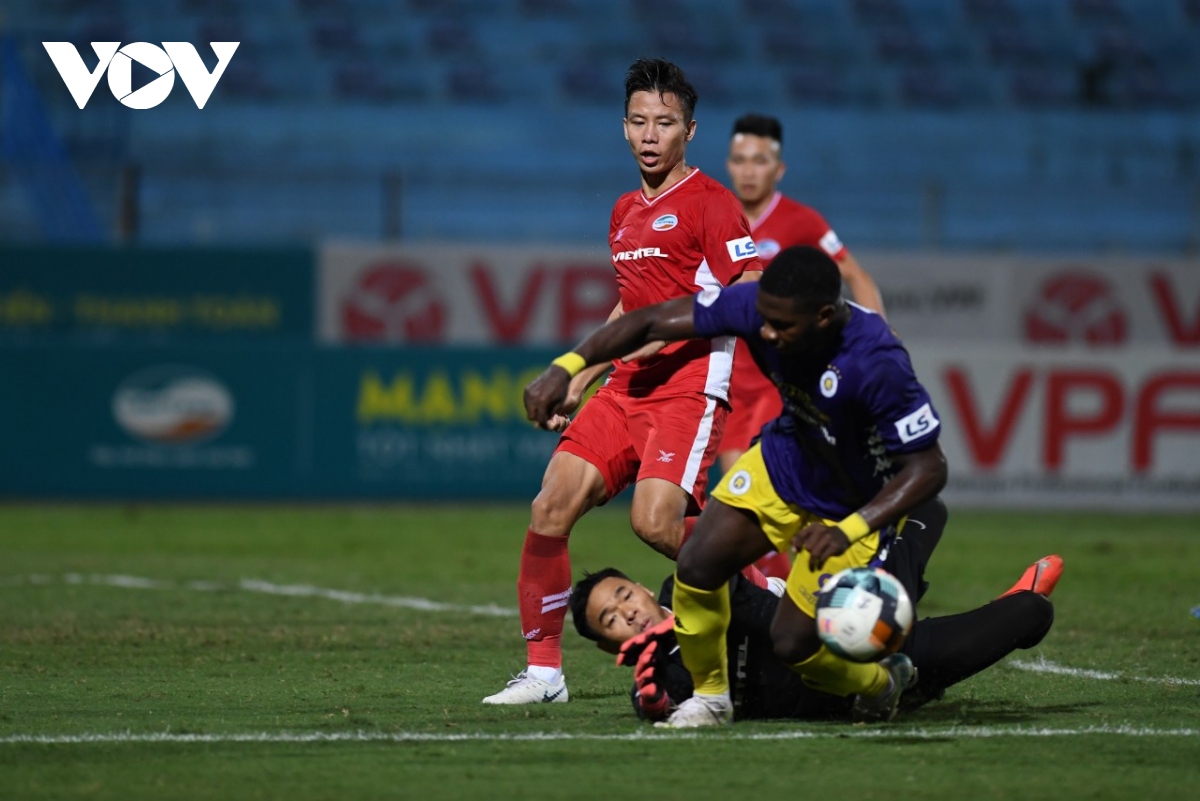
(740, 249)
(665, 222)
(917, 424)
(831, 244)
(165, 61)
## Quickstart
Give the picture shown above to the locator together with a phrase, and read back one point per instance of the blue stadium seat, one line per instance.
(888, 103)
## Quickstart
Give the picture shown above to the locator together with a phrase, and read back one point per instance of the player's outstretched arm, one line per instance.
(580, 384)
(862, 286)
(670, 321)
(922, 475)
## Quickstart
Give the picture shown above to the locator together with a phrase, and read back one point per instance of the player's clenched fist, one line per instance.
(545, 396)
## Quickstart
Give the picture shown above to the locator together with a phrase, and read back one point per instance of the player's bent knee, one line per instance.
(1037, 612)
(553, 514)
(662, 532)
(688, 568)
(570, 488)
(699, 569)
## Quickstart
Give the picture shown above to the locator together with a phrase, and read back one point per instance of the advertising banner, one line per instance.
(147, 422)
(286, 421)
(117, 295)
(506, 295)
(1084, 303)
(1023, 428)
(427, 424)
(293, 421)
(449, 294)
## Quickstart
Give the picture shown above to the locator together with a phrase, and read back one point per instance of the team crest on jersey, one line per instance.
(665, 222)
(768, 248)
(829, 382)
(739, 482)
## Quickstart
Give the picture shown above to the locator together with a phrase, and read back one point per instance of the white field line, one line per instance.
(259, 586)
(1044, 665)
(1040, 665)
(965, 732)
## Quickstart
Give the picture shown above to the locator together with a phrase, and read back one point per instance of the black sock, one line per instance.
(948, 649)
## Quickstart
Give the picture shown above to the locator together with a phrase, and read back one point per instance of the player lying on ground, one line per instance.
(612, 609)
(854, 450)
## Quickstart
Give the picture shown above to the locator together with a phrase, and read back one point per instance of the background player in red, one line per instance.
(658, 420)
(776, 222)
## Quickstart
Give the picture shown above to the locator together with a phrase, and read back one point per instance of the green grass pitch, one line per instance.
(341, 652)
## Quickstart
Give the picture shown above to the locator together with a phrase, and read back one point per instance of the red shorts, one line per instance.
(629, 439)
(755, 402)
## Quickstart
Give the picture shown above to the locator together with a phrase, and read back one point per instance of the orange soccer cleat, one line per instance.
(1041, 577)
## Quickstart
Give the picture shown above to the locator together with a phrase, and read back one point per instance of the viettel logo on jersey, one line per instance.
(172, 405)
(1076, 307)
(665, 222)
(394, 302)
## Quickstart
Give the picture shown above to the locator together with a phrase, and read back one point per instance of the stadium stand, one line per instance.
(978, 123)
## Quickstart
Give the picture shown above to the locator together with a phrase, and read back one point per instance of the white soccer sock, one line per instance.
(550, 675)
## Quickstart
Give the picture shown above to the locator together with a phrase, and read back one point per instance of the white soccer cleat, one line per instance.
(698, 711)
(526, 689)
(882, 708)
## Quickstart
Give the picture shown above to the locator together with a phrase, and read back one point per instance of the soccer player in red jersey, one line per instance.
(657, 422)
(776, 222)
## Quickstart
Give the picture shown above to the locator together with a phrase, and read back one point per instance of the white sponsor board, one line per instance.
(1063, 302)
(538, 296)
(449, 294)
(1036, 428)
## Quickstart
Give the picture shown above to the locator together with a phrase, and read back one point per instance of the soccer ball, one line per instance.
(863, 614)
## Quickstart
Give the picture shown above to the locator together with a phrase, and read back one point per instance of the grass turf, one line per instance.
(88, 648)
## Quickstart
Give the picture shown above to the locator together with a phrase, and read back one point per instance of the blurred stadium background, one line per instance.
(333, 280)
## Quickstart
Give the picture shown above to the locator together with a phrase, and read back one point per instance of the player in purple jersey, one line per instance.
(854, 450)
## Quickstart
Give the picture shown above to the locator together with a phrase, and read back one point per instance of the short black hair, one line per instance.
(807, 275)
(660, 75)
(759, 125)
(579, 599)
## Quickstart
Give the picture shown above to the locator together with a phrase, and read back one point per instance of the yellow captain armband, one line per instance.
(855, 527)
(572, 362)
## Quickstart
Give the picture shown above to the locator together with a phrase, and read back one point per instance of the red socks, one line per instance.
(755, 577)
(543, 591)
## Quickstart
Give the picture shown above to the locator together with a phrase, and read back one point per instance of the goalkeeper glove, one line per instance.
(632, 648)
(652, 700)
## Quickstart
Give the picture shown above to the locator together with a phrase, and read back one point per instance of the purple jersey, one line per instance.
(829, 452)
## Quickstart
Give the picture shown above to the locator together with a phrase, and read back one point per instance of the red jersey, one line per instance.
(755, 400)
(786, 223)
(693, 237)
